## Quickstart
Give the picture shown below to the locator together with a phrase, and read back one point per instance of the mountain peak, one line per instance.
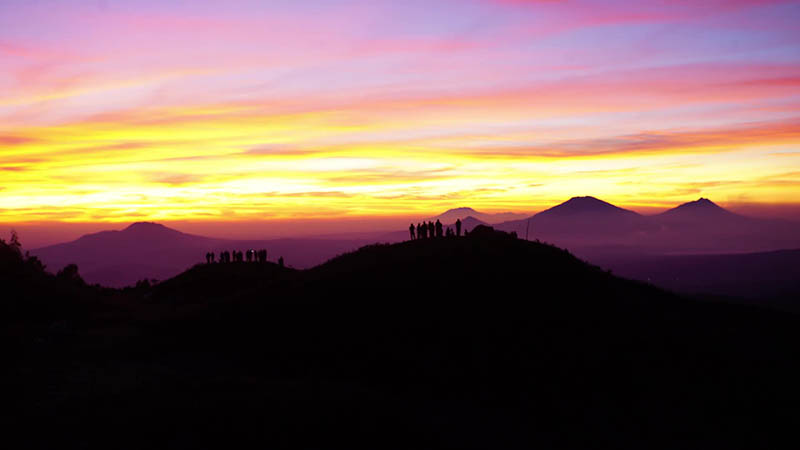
(703, 202)
(585, 204)
(463, 209)
(702, 207)
(145, 226)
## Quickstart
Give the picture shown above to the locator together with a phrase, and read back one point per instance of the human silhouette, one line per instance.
(439, 231)
(424, 230)
(411, 231)
(249, 256)
(419, 231)
(280, 261)
(458, 227)
(431, 229)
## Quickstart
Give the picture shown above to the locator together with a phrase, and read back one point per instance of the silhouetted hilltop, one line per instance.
(478, 342)
(218, 282)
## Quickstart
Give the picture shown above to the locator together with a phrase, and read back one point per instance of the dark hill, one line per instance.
(484, 341)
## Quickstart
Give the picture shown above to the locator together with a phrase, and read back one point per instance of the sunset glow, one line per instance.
(115, 111)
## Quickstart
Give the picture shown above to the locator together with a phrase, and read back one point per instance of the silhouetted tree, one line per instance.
(14, 243)
(70, 273)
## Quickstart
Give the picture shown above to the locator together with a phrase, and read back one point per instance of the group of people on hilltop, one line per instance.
(429, 229)
(237, 256)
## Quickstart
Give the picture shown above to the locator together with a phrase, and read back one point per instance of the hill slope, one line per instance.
(476, 342)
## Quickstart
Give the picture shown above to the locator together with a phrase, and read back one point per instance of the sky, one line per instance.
(251, 111)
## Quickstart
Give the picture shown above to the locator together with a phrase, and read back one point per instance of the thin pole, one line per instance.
(527, 227)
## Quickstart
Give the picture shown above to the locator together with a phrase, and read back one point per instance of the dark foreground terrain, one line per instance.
(478, 342)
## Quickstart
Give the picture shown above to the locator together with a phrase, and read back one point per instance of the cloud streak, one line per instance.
(172, 111)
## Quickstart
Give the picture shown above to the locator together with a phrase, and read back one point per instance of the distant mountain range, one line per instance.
(589, 227)
(700, 226)
(146, 250)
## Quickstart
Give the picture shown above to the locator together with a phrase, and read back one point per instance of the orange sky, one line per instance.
(284, 110)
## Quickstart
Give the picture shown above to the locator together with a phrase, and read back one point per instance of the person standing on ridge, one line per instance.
(411, 231)
(439, 230)
(458, 227)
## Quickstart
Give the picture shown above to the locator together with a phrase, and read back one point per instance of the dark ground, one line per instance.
(478, 342)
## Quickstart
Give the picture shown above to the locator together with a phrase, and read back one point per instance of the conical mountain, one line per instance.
(701, 208)
(585, 206)
(579, 217)
(121, 257)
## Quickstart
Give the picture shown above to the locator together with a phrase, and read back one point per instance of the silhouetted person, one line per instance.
(458, 227)
(419, 231)
(411, 231)
(449, 232)
(280, 261)
(423, 230)
(249, 256)
(439, 230)
(431, 230)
